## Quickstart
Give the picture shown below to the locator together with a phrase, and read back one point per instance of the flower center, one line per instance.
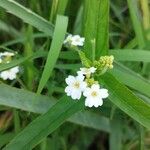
(94, 93)
(76, 85)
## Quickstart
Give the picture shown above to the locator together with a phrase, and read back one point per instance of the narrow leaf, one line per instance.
(96, 21)
(102, 40)
(45, 124)
(123, 98)
(31, 102)
(28, 16)
(135, 17)
(59, 35)
(131, 55)
(131, 79)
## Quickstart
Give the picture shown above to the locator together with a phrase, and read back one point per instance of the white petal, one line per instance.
(95, 87)
(68, 38)
(84, 70)
(74, 43)
(76, 94)
(15, 69)
(80, 43)
(4, 75)
(82, 39)
(70, 79)
(68, 90)
(92, 69)
(77, 40)
(88, 102)
(80, 73)
(7, 54)
(76, 37)
(98, 102)
(12, 76)
(104, 93)
(80, 77)
(86, 92)
(83, 86)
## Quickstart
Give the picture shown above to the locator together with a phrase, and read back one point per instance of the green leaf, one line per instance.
(115, 138)
(21, 60)
(31, 102)
(102, 40)
(4, 139)
(68, 66)
(25, 100)
(28, 16)
(131, 55)
(96, 21)
(135, 17)
(9, 29)
(70, 55)
(62, 6)
(58, 38)
(123, 98)
(45, 124)
(89, 119)
(131, 79)
(22, 39)
(90, 24)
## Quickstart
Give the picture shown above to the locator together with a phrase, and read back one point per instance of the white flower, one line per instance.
(94, 95)
(9, 54)
(9, 74)
(68, 39)
(76, 40)
(86, 71)
(76, 86)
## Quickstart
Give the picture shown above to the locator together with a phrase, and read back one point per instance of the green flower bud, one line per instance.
(106, 61)
(90, 81)
(103, 64)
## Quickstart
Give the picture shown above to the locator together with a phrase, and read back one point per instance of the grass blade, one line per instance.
(131, 79)
(115, 139)
(35, 131)
(90, 24)
(102, 41)
(123, 98)
(131, 55)
(59, 35)
(4, 139)
(96, 16)
(135, 17)
(28, 101)
(9, 29)
(28, 16)
(19, 61)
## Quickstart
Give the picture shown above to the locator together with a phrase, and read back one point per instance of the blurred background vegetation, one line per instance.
(129, 28)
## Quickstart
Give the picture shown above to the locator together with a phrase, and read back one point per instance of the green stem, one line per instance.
(93, 49)
(16, 120)
(43, 145)
(142, 134)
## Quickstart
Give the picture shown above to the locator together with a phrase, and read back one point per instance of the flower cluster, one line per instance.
(74, 40)
(84, 83)
(10, 74)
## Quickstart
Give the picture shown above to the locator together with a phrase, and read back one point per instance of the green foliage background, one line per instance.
(36, 113)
